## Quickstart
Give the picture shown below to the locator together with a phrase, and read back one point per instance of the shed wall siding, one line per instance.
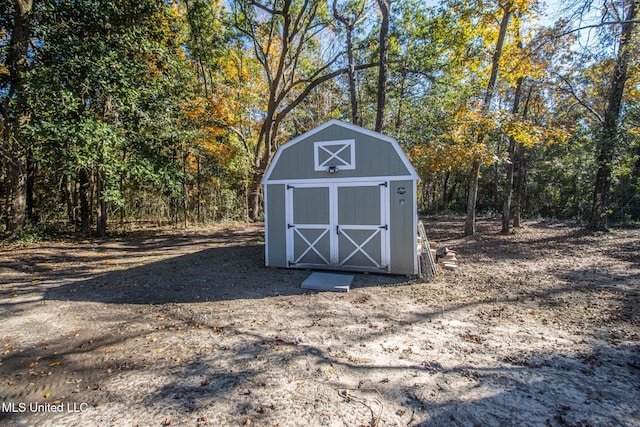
(339, 220)
(359, 205)
(402, 226)
(373, 157)
(276, 228)
(312, 205)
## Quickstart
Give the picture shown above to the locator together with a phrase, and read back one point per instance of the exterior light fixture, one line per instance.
(332, 169)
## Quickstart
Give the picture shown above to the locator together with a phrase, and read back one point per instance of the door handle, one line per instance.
(338, 230)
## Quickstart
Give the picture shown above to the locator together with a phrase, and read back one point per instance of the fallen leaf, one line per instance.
(56, 363)
(46, 395)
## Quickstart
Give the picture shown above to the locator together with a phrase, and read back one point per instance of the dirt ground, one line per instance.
(188, 328)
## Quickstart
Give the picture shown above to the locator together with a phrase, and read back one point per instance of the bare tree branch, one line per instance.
(312, 84)
(582, 102)
(599, 25)
(270, 11)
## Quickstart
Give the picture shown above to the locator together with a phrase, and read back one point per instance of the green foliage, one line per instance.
(170, 106)
(98, 79)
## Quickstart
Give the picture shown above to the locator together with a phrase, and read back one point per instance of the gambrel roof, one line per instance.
(354, 151)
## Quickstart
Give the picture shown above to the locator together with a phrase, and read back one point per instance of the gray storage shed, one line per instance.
(341, 197)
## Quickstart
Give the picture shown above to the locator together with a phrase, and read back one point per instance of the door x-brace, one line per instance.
(311, 247)
(359, 248)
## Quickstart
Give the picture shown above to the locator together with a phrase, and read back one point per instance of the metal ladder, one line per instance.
(426, 263)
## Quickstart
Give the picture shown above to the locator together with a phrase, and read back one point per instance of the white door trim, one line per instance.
(333, 227)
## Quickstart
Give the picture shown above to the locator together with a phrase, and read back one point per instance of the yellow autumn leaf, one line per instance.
(56, 363)
(46, 395)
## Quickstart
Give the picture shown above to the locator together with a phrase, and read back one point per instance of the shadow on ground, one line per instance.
(201, 360)
(214, 274)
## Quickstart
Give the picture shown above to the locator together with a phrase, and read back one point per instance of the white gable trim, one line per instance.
(412, 172)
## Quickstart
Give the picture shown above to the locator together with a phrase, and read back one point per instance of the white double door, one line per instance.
(338, 225)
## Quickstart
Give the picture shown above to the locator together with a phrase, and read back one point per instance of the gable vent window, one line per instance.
(334, 156)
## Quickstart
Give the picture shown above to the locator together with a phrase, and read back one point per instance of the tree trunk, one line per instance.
(16, 194)
(67, 198)
(508, 183)
(508, 188)
(101, 223)
(351, 74)
(385, 10)
(263, 150)
(469, 225)
(470, 221)
(85, 219)
(124, 204)
(255, 194)
(607, 140)
(635, 183)
(403, 83)
(31, 214)
(453, 188)
(520, 177)
(445, 188)
(293, 25)
(349, 25)
(17, 64)
(496, 173)
(199, 191)
(185, 189)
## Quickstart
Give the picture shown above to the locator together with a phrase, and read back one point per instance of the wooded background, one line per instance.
(170, 111)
